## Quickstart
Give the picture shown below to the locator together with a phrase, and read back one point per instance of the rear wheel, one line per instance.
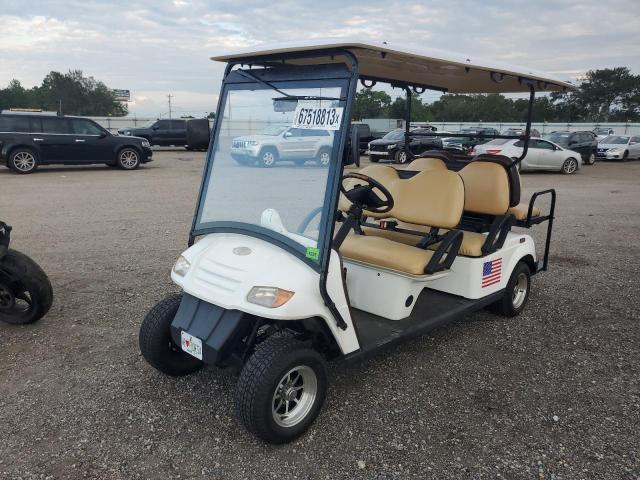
(268, 157)
(128, 159)
(569, 166)
(281, 389)
(23, 161)
(156, 344)
(25, 291)
(516, 294)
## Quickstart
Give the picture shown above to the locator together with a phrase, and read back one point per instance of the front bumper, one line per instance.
(376, 153)
(244, 152)
(147, 155)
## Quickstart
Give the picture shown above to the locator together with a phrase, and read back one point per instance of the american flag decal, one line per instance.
(491, 272)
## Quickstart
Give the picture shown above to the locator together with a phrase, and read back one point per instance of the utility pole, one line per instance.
(169, 97)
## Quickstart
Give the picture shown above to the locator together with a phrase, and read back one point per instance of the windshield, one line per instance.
(273, 186)
(394, 135)
(558, 137)
(615, 140)
(274, 130)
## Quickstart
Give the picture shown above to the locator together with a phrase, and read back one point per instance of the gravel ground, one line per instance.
(553, 393)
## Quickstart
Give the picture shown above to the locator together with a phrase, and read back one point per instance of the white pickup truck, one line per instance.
(278, 143)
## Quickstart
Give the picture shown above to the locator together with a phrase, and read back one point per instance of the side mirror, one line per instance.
(155, 127)
(287, 134)
(103, 134)
(352, 153)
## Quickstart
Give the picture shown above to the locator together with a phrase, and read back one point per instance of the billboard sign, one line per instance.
(122, 95)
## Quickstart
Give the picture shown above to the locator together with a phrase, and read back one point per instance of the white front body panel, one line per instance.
(219, 276)
(472, 278)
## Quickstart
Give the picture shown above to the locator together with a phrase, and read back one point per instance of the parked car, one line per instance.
(279, 143)
(619, 147)
(583, 142)
(392, 145)
(521, 131)
(464, 144)
(541, 155)
(602, 132)
(30, 140)
(161, 132)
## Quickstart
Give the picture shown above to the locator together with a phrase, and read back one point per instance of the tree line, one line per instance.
(606, 95)
(71, 92)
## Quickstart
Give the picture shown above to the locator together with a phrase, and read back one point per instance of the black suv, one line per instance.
(161, 132)
(392, 145)
(29, 140)
(585, 143)
(465, 144)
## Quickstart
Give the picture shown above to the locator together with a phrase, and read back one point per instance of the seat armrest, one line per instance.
(446, 252)
(498, 233)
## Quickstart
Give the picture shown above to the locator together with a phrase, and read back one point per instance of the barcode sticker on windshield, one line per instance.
(327, 118)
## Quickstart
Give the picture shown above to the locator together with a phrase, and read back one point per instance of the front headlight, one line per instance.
(182, 266)
(613, 150)
(145, 143)
(270, 297)
(391, 147)
(251, 143)
(126, 132)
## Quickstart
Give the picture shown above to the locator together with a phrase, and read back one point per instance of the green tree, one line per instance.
(371, 104)
(77, 94)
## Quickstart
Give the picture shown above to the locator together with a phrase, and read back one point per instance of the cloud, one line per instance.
(155, 48)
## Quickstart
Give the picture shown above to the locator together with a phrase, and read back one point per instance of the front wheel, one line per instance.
(516, 294)
(569, 166)
(25, 291)
(591, 159)
(156, 344)
(401, 157)
(625, 156)
(268, 158)
(281, 389)
(128, 159)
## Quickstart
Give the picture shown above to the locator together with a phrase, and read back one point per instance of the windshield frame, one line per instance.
(285, 77)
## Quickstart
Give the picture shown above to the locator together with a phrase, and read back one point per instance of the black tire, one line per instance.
(23, 161)
(268, 157)
(625, 156)
(374, 159)
(156, 344)
(590, 160)
(324, 157)
(19, 276)
(259, 380)
(401, 157)
(128, 158)
(569, 166)
(507, 305)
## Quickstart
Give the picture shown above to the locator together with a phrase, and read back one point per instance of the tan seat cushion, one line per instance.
(426, 163)
(471, 241)
(386, 253)
(520, 211)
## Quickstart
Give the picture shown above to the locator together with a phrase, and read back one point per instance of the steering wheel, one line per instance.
(364, 197)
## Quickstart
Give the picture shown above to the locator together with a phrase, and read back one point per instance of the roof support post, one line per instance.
(527, 132)
(407, 125)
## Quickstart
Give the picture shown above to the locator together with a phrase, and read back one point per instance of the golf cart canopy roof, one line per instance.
(428, 68)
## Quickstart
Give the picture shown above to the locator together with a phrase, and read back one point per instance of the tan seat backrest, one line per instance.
(382, 173)
(434, 198)
(486, 188)
(427, 163)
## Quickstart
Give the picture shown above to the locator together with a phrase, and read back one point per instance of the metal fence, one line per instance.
(622, 128)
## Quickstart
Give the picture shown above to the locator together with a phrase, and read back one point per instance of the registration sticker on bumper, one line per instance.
(192, 345)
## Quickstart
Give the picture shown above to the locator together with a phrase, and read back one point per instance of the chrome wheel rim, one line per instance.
(24, 161)
(570, 166)
(592, 159)
(402, 158)
(520, 290)
(129, 159)
(294, 396)
(324, 159)
(268, 159)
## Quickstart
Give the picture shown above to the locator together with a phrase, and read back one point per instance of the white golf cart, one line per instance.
(293, 267)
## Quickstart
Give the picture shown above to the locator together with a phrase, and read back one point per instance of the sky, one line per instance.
(155, 48)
